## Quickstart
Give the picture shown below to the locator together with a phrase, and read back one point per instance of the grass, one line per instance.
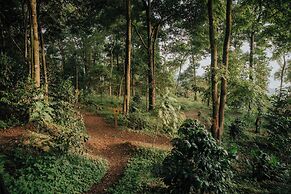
(141, 173)
(41, 173)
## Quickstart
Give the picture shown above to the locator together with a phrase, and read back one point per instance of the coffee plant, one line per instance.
(197, 163)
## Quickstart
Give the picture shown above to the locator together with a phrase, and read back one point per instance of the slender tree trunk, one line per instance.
(282, 75)
(126, 99)
(31, 49)
(213, 49)
(35, 44)
(44, 68)
(194, 77)
(111, 72)
(26, 31)
(251, 60)
(179, 75)
(225, 60)
(76, 80)
(151, 76)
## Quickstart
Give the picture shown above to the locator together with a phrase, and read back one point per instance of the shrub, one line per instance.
(236, 128)
(138, 121)
(279, 123)
(53, 174)
(58, 127)
(136, 104)
(169, 115)
(267, 167)
(196, 163)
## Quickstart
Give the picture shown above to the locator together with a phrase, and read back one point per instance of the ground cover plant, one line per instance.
(36, 173)
(142, 173)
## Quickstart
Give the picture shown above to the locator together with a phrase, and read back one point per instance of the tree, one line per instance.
(127, 59)
(214, 82)
(225, 60)
(33, 5)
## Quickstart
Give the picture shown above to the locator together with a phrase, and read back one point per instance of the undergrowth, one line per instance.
(33, 173)
(141, 173)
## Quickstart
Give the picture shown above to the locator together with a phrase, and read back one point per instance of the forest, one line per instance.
(145, 96)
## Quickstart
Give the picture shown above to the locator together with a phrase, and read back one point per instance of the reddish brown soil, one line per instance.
(10, 137)
(116, 146)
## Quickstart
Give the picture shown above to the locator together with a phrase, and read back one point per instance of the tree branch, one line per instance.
(139, 35)
(144, 3)
(155, 33)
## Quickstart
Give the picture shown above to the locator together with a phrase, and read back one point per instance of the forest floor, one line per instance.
(116, 146)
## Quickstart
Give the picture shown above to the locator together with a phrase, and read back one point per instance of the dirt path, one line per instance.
(116, 147)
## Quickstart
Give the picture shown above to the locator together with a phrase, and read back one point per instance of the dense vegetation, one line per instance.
(140, 65)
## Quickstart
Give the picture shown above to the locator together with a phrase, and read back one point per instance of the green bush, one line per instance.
(169, 115)
(53, 174)
(136, 104)
(196, 163)
(141, 174)
(139, 121)
(278, 123)
(3, 125)
(59, 128)
(267, 167)
(237, 128)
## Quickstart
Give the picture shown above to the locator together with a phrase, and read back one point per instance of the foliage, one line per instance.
(244, 94)
(3, 125)
(16, 102)
(136, 103)
(53, 174)
(41, 112)
(169, 115)
(267, 167)
(197, 162)
(279, 122)
(236, 128)
(58, 127)
(64, 91)
(140, 121)
(141, 173)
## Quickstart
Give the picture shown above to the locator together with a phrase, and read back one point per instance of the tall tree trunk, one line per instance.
(111, 72)
(76, 80)
(251, 62)
(251, 59)
(35, 43)
(44, 67)
(225, 59)
(214, 83)
(282, 75)
(194, 77)
(26, 34)
(151, 76)
(126, 99)
(179, 75)
(31, 49)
